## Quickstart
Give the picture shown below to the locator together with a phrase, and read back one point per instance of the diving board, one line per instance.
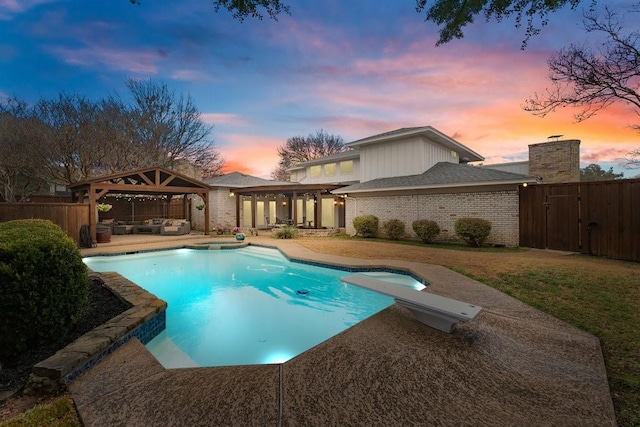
(438, 312)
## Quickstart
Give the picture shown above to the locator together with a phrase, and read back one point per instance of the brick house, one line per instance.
(420, 173)
(407, 174)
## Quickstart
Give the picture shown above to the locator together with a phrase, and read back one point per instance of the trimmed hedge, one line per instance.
(366, 225)
(474, 231)
(426, 230)
(43, 284)
(394, 229)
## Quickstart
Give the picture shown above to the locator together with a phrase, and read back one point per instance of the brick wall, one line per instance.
(222, 210)
(556, 161)
(499, 207)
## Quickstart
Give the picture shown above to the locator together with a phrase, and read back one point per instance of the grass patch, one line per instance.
(59, 412)
(602, 301)
(436, 245)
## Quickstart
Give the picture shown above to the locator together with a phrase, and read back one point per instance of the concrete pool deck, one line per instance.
(513, 365)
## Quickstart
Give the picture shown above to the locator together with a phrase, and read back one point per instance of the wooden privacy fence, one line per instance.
(596, 218)
(69, 216)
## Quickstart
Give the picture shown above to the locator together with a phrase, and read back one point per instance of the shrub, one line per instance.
(473, 230)
(426, 230)
(366, 225)
(393, 228)
(43, 283)
(286, 233)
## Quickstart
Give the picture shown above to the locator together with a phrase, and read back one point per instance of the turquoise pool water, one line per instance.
(245, 306)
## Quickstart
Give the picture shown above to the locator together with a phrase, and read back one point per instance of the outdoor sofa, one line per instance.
(162, 226)
(175, 227)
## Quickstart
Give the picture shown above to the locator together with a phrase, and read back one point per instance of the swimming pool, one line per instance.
(245, 306)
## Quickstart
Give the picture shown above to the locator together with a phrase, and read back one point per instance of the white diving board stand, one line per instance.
(438, 312)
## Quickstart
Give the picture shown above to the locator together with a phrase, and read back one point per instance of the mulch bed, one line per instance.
(103, 306)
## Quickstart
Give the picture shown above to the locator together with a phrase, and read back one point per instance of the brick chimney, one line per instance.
(555, 161)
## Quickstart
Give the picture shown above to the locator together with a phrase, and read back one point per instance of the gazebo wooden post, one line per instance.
(185, 206)
(92, 216)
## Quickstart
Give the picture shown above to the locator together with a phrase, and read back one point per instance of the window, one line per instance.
(346, 167)
(330, 169)
(315, 171)
(454, 154)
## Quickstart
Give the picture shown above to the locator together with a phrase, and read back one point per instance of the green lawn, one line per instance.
(59, 412)
(602, 301)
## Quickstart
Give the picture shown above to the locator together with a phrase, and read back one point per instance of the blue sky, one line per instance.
(353, 68)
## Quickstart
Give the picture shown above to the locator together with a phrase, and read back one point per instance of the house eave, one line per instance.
(427, 131)
(436, 186)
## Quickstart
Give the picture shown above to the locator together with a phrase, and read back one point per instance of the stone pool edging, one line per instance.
(145, 319)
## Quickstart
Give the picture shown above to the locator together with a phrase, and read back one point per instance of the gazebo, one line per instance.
(146, 181)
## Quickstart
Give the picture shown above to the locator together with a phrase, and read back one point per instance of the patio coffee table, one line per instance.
(146, 229)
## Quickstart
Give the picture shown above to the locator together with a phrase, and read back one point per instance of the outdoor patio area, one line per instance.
(512, 365)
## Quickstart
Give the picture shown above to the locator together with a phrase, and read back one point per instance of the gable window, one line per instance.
(330, 169)
(346, 167)
(454, 154)
(315, 171)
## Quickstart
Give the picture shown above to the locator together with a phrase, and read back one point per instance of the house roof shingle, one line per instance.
(440, 175)
(239, 180)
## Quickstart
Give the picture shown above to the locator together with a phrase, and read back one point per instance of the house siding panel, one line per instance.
(408, 157)
(436, 153)
(392, 159)
(499, 207)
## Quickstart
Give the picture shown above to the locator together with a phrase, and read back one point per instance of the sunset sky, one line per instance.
(352, 68)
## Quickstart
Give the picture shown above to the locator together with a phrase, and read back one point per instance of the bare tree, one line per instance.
(300, 149)
(168, 129)
(594, 79)
(116, 127)
(20, 172)
(73, 148)
(632, 159)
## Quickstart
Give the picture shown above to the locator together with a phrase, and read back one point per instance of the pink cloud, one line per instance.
(10, 8)
(473, 93)
(97, 56)
(190, 75)
(219, 119)
(251, 154)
